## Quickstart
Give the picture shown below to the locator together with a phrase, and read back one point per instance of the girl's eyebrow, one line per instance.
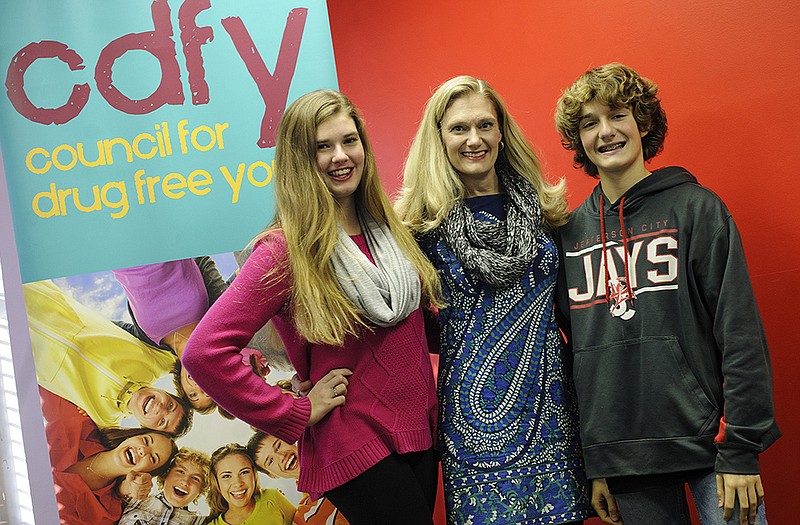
(325, 140)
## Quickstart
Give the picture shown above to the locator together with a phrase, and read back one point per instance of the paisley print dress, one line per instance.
(508, 416)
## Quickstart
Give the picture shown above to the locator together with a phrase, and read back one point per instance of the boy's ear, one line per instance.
(643, 132)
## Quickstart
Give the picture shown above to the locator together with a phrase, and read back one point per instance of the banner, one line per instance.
(135, 132)
(138, 144)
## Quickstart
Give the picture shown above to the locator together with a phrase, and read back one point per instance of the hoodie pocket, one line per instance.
(639, 389)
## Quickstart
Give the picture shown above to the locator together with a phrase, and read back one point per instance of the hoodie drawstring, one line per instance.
(628, 288)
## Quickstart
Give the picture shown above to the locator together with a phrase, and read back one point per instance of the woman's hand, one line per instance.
(329, 393)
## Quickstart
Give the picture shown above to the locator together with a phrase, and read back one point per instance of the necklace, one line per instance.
(90, 466)
(94, 479)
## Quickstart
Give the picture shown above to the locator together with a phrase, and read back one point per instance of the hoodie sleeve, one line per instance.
(213, 354)
(748, 424)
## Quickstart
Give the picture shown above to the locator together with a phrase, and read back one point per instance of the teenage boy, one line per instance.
(670, 358)
(184, 482)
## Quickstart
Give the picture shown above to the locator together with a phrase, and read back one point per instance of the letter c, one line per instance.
(29, 161)
(15, 83)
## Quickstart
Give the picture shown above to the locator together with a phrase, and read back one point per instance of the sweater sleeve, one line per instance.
(748, 425)
(213, 354)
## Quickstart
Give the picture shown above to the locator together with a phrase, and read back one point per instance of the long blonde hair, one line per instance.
(431, 186)
(307, 214)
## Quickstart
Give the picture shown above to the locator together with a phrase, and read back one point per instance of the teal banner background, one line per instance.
(120, 218)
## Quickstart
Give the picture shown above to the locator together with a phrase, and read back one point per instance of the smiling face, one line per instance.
(184, 483)
(612, 140)
(197, 398)
(156, 409)
(471, 136)
(278, 458)
(340, 157)
(237, 481)
(143, 453)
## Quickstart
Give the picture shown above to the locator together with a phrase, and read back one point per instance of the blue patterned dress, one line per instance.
(508, 418)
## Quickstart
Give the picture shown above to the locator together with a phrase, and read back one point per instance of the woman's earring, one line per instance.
(502, 145)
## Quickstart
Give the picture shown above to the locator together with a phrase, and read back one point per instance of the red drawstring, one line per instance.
(624, 246)
(603, 239)
(625, 249)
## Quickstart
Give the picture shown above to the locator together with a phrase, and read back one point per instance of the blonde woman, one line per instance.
(343, 282)
(474, 195)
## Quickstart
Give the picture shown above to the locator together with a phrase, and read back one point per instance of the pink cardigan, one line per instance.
(391, 399)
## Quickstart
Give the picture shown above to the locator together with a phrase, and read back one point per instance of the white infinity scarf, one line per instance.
(387, 291)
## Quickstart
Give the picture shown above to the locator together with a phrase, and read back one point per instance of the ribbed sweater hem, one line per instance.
(295, 424)
(317, 482)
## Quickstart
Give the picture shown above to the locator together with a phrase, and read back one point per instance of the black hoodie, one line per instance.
(676, 345)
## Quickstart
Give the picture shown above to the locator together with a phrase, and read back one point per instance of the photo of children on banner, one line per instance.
(186, 480)
(94, 373)
(236, 496)
(88, 360)
(94, 469)
(166, 301)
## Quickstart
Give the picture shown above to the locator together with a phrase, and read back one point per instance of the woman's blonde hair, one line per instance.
(431, 186)
(307, 214)
(216, 502)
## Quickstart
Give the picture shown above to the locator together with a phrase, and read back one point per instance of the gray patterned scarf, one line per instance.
(387, 291)
(497, 252)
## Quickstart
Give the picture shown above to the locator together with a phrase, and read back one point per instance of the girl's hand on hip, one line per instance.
(329, 393)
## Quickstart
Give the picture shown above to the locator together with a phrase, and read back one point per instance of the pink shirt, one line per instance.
(391, 399)
(164, 296)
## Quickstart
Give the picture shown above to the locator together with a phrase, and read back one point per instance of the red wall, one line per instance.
(729, 72)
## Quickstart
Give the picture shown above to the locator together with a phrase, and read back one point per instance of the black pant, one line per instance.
(399, 490)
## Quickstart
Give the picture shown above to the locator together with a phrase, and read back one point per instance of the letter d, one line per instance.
(50, 196)
(159, 44)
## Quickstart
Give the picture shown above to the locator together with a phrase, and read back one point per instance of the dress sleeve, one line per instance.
(213, 353)
(748, 425)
